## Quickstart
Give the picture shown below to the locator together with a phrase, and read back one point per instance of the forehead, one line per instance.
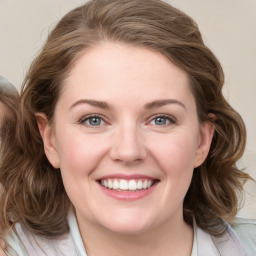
(112, 70)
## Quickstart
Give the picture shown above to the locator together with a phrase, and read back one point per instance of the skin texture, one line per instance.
(127, 140)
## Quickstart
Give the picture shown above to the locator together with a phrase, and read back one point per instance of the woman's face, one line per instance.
(126, 138)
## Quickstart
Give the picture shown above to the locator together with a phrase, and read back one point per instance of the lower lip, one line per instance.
(128, 196)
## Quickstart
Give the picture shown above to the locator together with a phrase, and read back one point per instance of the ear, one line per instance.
(48, 137)
(205, 139)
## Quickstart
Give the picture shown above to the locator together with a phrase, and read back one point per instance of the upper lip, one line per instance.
(127, 176)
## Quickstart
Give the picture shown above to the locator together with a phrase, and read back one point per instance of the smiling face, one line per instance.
(126, 138)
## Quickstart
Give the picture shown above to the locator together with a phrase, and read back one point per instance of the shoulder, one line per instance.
(23, 243)
(227, 244)
(14, 244)
(246, 231)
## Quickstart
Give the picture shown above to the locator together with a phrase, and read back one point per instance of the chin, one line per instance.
(126, 229)
(128, 224)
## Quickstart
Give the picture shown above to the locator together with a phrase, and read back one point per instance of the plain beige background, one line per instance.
(228, 28)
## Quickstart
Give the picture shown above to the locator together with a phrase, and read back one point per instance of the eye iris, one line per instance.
(94, 121)
(160, 121)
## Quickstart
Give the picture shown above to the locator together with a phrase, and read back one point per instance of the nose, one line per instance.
(128, 146)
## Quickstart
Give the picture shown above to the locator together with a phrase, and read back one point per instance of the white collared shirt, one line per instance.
(71, 244)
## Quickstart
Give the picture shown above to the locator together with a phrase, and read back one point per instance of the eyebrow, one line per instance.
(161, 103)
(94, 103)
(150, 105)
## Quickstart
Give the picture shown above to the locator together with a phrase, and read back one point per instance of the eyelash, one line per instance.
(88, 117)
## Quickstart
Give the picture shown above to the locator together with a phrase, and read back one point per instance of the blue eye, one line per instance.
(93, 121)
(162, 120)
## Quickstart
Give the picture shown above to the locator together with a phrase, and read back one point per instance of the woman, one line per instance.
(124, 144)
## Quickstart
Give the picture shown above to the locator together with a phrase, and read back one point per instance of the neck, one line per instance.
(172, 238)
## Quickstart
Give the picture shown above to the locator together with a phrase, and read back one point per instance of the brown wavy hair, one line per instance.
(9, 101)
(33, 190)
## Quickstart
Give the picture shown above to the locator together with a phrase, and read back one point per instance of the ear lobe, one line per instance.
(205, 139)
(48, 137)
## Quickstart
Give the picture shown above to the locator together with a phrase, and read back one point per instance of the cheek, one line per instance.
(80, 154)
(175, 153)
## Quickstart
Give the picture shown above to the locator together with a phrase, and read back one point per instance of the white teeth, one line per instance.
(116, 184)
(110, 184)
(145, 184)
(139, 185)
(132, 185)
(121, 184)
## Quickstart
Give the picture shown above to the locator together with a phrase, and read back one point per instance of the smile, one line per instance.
(127, 185)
